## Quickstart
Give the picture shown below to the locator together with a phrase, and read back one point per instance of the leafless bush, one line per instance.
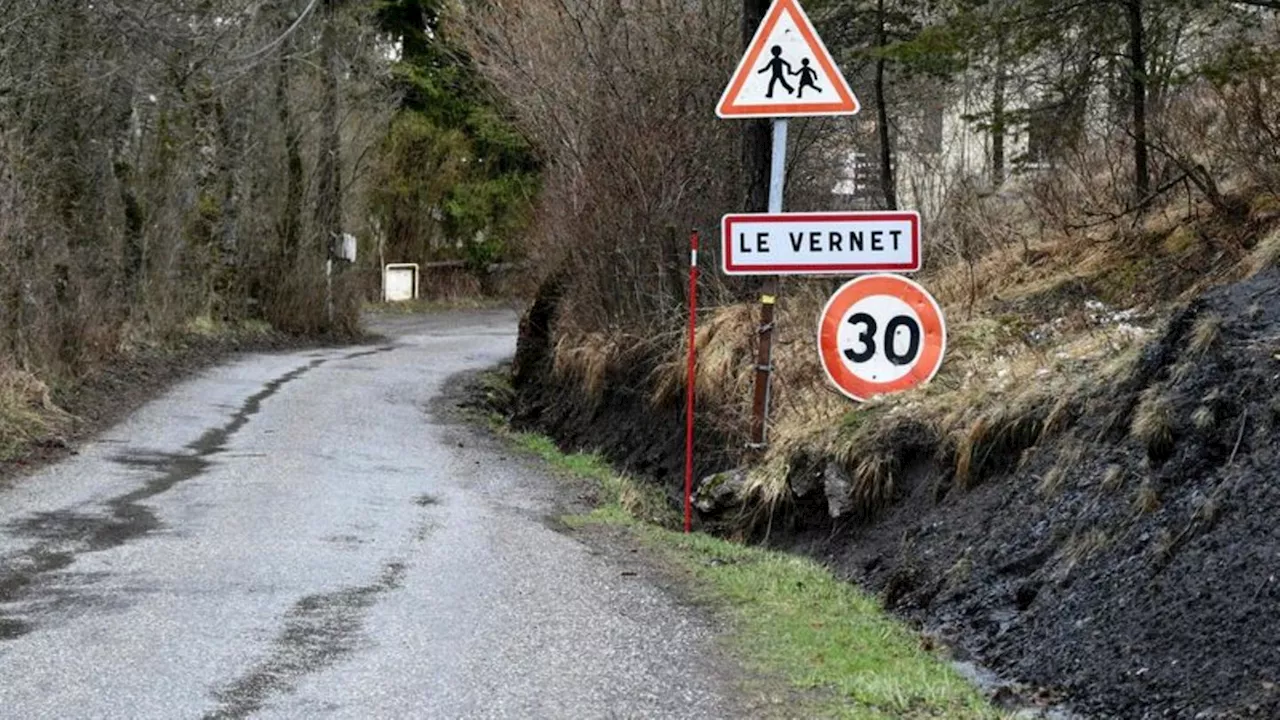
(620, 96)
(1227, 133)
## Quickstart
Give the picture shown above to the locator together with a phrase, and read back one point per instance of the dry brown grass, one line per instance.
(590, 358)
(1208, 510)
(1061, 415)
(1080, 548)
(1181, 240)
(873, 450)
(960, 571)
(873, 465)
(1153, 422)
(1051, 482)
(1147, 498)
(1056, 477)
(725, 343)
(1164, 544)
(1113, 478)
(996, 397)
(1205, 333)
(1181, 371)
(1266, 254)
(1204, 418)
(27, 412)
(998, 394)
(586, 359)
(998, 435)
(1024, 358)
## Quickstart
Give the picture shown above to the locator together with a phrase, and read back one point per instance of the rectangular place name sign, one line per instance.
(828, 243)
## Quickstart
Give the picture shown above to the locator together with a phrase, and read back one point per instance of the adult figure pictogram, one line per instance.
(780, 69)
(807, 77)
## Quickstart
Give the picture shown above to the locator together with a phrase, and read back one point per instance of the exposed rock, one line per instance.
(804, 482)
(839, 489)
(718, 492)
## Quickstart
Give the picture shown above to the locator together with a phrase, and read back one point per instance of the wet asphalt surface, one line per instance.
(307, 535)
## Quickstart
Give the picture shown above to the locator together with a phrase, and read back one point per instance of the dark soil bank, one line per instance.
(1139, 578)
(1132, 578)
(622, 423)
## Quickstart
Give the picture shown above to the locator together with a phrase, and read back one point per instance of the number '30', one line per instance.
(866, 339)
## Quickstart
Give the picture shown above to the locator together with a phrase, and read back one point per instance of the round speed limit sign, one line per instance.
(881, 334)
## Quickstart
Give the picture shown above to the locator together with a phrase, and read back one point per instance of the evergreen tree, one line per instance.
(458, 179)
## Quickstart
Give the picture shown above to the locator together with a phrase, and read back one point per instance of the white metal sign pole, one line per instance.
(778, 170)
(787, 47)
(768, 297)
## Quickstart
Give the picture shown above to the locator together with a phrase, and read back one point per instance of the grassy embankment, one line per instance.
(1032, 333)
(790, 617)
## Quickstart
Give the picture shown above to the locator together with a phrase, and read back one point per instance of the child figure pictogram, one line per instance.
(807, 77)
(780, 68)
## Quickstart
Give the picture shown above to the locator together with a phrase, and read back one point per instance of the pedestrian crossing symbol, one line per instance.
(787, 72)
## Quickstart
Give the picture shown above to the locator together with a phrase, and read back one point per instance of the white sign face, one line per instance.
(821, 243)
(348, 250)
(881, 334)
(787, 72)
(889, 353)
(400, 283)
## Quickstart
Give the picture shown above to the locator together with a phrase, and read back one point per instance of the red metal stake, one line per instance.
(689, 399)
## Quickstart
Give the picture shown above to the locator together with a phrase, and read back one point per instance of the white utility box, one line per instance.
(400, 282)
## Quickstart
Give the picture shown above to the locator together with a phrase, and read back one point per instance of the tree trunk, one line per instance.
(122, 165)
(887, 182)
(1138, 92)
(291, 219)
(757, 139)
(230, 148)
(998, 120)
(329, 194)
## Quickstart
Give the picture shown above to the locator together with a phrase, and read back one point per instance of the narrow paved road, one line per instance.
(300, 536)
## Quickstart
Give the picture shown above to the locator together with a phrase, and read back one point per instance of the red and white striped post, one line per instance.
(692, 377)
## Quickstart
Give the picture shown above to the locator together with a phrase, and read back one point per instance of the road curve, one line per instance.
(299, 536)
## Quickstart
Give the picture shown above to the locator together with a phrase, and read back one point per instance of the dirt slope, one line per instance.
(621, 419)
(1126, 564)
(1131, 563)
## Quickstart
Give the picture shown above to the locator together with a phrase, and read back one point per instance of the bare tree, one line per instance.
(156, 158)
(757, 140)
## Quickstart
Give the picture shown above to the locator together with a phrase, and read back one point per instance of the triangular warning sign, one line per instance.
(787, 72)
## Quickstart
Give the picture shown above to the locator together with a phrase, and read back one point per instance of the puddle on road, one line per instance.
(11, 628)
(370, 353)
(215, 440)
(66, 534)
(26, 567)
(318, 631)
(350, 542)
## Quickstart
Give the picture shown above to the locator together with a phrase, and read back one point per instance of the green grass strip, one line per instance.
(791, 618)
